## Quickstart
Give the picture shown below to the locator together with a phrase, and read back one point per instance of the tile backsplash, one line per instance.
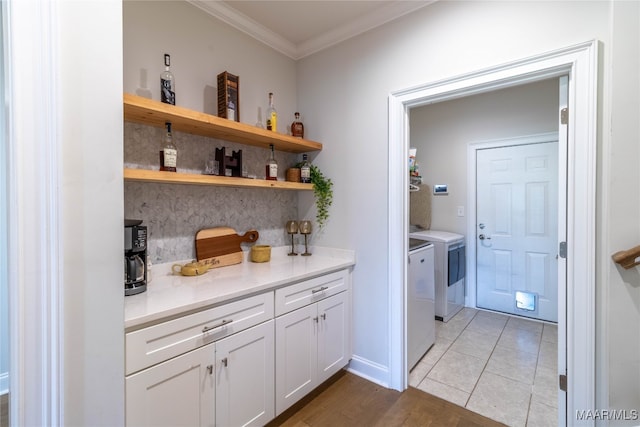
(174, 213)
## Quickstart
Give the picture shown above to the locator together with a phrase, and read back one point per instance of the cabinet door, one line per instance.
(296, 355)
(245, 377)
(334, 336)
(178, 392)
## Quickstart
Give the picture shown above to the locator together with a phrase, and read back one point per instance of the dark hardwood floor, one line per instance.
(4, 410)
(348, 400)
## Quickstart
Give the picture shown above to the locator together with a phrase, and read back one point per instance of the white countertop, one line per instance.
(168, 295)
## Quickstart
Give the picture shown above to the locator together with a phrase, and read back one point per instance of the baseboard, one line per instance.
(369, 370)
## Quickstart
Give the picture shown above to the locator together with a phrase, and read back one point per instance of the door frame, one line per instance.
(472, 153)
(580, 63)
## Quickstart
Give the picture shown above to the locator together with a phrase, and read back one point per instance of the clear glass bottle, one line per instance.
(297, 128)
(305, 170)
(271, 169)
(169, 152)
(167, 83)
(272, 115)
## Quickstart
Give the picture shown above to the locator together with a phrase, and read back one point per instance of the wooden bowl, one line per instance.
(293, 175)
(260, 253)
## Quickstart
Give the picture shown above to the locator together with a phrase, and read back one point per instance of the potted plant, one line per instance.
(323, 193)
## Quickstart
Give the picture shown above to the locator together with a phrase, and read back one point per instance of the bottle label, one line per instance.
(305, 174)
(170, 157)
(168, 95)
(272, 122)
(273, 171)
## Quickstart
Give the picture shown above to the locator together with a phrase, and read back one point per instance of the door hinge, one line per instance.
(562, 250)
(564, 116)
(562, 382)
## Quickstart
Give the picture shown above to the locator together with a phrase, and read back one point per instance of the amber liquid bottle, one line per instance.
(297, 128)
(169, 153)
(271, 169)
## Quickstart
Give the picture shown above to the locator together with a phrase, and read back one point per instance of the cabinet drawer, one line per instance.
(304, 293)
(161, 342)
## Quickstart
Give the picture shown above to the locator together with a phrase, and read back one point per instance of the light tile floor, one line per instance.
(499, 366)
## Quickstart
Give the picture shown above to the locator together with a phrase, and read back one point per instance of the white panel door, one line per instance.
(517, 230)
(245, 377)
(178, 392)
(296, 355)
(333, 336)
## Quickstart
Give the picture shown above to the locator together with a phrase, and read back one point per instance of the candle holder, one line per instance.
(305, 228)
(292, 228)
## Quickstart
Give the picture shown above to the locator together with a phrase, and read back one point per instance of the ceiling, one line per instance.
(301, 27)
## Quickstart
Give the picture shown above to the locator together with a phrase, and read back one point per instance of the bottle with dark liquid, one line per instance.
(297, 128)
(169, 152)
(305, 170)
(167, 89)
(271, 169)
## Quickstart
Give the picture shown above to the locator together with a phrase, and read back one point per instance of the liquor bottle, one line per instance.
(305, 170)
(167, 89)
(272, 115)
(297, 128)
(271, 169)
(169, 153)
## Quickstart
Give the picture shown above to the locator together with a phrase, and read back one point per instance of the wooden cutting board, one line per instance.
(220, 246)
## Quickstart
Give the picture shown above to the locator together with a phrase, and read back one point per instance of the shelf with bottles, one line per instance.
(154, 113)
(146, 175)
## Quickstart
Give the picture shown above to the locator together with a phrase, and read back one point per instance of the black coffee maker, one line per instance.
(135, 257)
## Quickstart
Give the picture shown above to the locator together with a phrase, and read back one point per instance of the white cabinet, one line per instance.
(313, 341)
(178, 392)
(240, 363)
(245, 377)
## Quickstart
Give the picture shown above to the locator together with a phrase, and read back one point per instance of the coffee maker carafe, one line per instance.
(135, 257)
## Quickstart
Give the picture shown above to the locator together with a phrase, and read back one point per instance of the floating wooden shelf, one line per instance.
(155, 113)
(146, 175)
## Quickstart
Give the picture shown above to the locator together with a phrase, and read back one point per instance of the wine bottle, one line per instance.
(297, 128)
(167, 83)
(305, 169)
(272, 115)
(271, 170)
(169, 153)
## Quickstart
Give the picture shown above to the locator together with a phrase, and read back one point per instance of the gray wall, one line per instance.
(442, 131)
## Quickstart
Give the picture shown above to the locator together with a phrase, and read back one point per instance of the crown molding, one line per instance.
(247, 25)
(256, 30)
(363, 24)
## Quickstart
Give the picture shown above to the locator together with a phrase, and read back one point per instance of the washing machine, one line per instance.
(450, 267)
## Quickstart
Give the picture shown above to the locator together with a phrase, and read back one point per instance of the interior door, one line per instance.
(517, 229)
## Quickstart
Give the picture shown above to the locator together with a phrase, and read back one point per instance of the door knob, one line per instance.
(483, 237)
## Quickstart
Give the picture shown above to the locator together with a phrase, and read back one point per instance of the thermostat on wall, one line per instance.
(440, 189)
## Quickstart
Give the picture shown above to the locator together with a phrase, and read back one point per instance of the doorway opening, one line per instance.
(576, 326)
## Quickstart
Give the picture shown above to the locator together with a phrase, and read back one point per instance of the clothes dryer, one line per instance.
(450, 268)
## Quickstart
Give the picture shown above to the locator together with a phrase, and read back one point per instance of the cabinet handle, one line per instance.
(208, 328)
(210, 369)
(322, 289)
(316, 319)
(224, 362)
(324, 316)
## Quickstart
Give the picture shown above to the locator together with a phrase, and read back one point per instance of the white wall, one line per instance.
(442, 131)
(90, 126)
(442, 40)
(201, 47)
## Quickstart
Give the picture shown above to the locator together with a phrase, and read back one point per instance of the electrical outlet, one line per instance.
(460, 210)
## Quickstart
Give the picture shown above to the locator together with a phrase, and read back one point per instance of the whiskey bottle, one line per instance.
(305, 170)
(169, 153)
(167, 89)
(271, 169)
(272, 115)
(297, 128)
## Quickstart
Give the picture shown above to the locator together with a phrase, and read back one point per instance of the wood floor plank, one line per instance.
(353, 401)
